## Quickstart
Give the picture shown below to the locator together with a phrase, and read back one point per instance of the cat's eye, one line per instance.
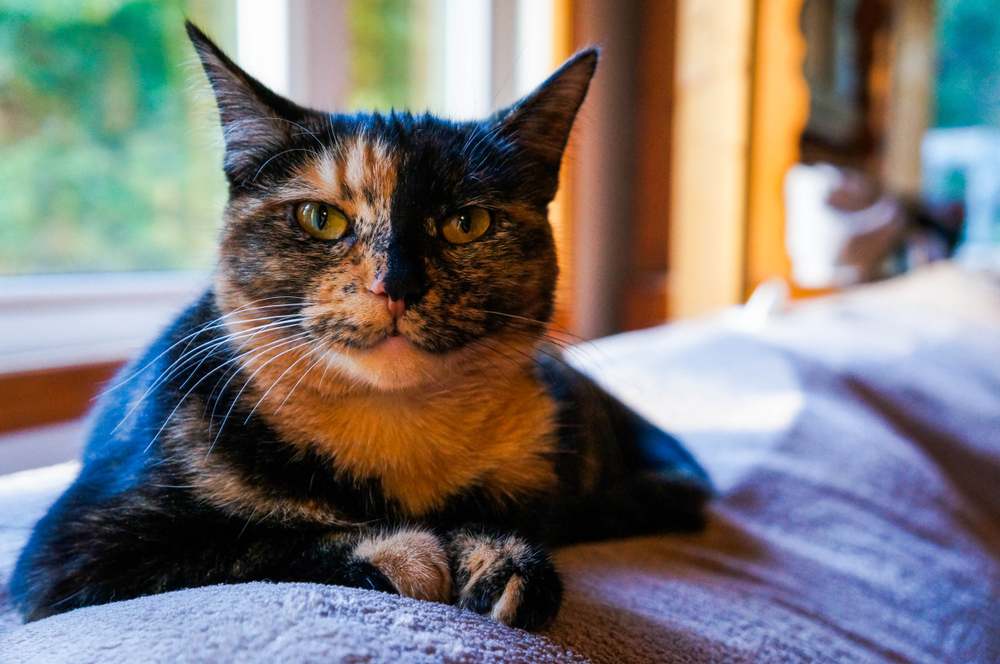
(322, 221)
(466, 226)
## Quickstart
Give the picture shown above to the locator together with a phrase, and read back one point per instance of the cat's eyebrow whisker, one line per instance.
(283, 152)
(299, 125)
(489, 134)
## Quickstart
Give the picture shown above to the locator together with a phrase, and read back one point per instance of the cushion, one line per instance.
(855, 443)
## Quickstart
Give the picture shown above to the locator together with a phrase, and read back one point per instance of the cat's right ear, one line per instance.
(255, 120)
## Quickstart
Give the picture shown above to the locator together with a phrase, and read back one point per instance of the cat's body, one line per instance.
(370, 409)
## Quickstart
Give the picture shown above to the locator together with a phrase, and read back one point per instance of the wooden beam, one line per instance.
(603, 167)
(561, 209)
(710, 154)
(911, 97)
(645, 289)
(779, 112)
(36, 398)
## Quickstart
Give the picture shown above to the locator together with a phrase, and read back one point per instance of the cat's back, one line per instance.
(136, 402)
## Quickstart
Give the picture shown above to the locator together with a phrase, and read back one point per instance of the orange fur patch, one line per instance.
(505, 609)
(484, 420)
(413, 560)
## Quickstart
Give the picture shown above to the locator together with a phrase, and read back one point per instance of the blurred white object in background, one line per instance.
(839, 230)
(768, 300)
(973, 155)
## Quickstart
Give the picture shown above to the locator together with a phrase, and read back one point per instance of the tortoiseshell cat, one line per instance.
(362, 397)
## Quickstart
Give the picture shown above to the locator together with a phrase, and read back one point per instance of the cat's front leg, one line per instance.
(505, 576)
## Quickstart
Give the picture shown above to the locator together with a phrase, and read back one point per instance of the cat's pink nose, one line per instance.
(396, 307)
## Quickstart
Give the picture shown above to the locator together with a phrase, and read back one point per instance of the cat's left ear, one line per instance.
(540, 122)
(256, 122)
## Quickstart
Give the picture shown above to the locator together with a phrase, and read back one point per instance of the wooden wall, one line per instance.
(740, 105)
(779, 108)
(710, 154)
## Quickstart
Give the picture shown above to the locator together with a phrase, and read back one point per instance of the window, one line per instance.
(107, 162)
(960, 155)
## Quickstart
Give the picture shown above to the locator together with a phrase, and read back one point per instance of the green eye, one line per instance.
(322, 221)
(466, 226)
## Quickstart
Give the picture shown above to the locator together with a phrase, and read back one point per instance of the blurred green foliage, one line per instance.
(968, 84)
(385, 43)
(111, 155)
(110, 158)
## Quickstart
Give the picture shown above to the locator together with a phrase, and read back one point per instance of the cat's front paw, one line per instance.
(505, 577)
(413, 561)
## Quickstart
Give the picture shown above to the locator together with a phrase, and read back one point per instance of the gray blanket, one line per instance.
(856, 446)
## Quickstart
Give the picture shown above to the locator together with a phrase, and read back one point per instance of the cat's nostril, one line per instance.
(377, 286)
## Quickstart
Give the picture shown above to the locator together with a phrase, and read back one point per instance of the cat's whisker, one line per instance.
(306, 373)
(184, 398)
(526, 355)
(253, 410)
(248, 381)
(239, 366)
(198, 331)
(206, 349)
(547, 325)
(511, 362)
(190, 338)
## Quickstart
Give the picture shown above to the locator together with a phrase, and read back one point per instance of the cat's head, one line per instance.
(393, 244)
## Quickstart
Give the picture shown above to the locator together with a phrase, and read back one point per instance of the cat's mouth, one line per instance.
(393, 343)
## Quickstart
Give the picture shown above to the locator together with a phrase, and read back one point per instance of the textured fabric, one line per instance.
(856, 447)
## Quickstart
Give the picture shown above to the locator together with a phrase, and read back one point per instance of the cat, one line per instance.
(365, 395)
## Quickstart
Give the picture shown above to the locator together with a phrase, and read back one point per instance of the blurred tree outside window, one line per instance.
(109, 159)
(968, 81)
(388, 54)
(111, 155)
(960, 155)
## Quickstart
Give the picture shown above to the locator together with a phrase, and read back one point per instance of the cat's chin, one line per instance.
(392, 364)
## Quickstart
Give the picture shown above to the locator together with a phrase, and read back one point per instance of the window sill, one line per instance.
(61, 336)
(52, 321)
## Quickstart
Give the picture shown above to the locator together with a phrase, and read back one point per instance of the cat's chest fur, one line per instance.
(423, 447)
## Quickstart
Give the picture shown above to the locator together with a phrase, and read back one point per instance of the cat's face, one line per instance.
(397, 243)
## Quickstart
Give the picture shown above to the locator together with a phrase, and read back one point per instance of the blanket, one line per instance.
(855, 443)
